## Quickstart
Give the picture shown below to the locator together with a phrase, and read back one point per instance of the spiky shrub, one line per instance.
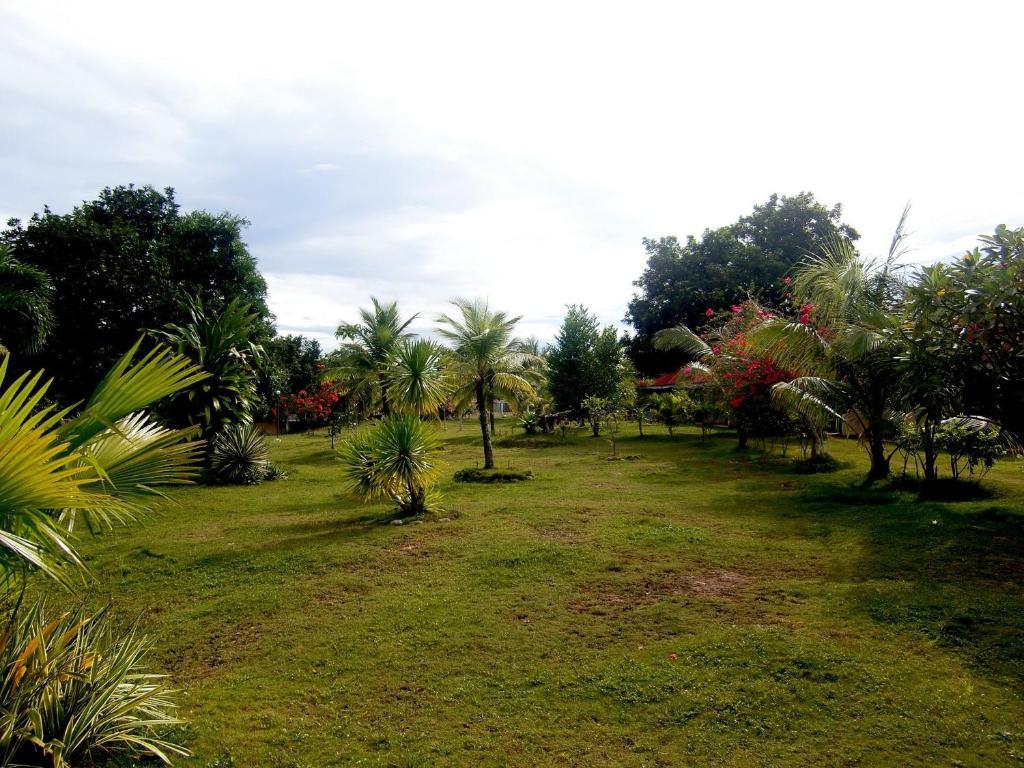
(395, 459)
(240, 456)
(74, 691)
(70, 688)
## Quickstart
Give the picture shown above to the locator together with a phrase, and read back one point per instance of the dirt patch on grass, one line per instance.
(714, 585)
(221, 646)
(721, 584)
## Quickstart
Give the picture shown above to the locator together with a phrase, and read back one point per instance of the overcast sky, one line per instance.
(517, 151)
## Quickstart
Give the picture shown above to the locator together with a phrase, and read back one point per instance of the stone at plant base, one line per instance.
(398, 522)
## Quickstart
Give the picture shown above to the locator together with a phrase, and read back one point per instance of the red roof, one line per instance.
(664, 380)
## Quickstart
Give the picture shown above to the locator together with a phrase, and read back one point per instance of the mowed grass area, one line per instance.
(692, 606)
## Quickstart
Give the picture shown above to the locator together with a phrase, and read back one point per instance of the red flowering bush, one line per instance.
(734, 377)
(317, 406)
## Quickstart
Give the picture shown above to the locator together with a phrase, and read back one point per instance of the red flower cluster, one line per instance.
(805, 313)
(315, 406)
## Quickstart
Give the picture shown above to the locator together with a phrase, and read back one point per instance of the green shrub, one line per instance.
(972, 445)
(472, 475)
(240, 456)
(75, 691)
(396, 460)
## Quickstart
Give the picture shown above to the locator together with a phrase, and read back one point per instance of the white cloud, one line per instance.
(419, 151)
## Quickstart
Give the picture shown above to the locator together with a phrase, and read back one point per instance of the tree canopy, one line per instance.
(748, 259)
(125, 262)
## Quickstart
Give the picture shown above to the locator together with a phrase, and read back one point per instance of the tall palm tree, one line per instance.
(849, 358)
(25, 316)
(367, 352)
(487, 361)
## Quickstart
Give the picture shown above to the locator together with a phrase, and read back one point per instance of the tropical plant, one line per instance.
(730, 373)
(364, 360)
(221, 343)
(73, 691)
(672, 408)
(486, 362)
(240, 455)
(846, 345)
(395, 459)
(972, 444)
(416, 380)
(26, 318)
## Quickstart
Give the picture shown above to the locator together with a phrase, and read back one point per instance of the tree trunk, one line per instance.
(481, 405)
(931, 468)
(490, 415)
(743, 439)
(879, 461)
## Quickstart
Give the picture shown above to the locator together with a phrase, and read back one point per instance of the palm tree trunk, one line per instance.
(481, 406)
(879, 461)
(742, 437)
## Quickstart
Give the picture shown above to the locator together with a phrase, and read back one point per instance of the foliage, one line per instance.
(724, 267)
(971, 444)
(734, 377)
(239, 455)
(487, 362)
(846, 345)
(365, 358)
(74, 691)
(395, 459)
(584, 361)
(672, 408)
(223, 344)
(99, 467)
(125, 262)
(416, 381)
(476, 475)
(317, 405)
(968, 322)
(26, 316)
(290, 364)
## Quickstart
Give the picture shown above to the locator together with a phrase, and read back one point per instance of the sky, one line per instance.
(518, 152)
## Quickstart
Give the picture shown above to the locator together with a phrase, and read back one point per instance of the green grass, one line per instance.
(692, 606)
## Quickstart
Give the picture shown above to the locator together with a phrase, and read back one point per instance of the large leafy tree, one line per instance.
(968, 329)
(26, 316)
(486, 361)
(124, 262)
(364, 360)
(724, 266)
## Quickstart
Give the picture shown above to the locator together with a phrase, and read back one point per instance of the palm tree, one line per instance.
(25, 316)
(415, 382)
(221, 343)
(848, 360)
(366, 355)
(487, 362)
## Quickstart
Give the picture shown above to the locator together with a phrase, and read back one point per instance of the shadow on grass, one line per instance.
(949, 567)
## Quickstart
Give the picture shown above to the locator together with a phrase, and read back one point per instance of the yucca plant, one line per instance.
(487, 362)
(394, 460)
(73, 691)
(72, 688)
(240, 455)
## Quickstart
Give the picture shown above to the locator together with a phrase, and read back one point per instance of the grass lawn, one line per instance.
(690, 607)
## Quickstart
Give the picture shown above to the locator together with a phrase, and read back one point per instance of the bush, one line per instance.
(971, 445)
(492, 476)
(74, 691)
(395, 460)
(274, 472)
(240, 456)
